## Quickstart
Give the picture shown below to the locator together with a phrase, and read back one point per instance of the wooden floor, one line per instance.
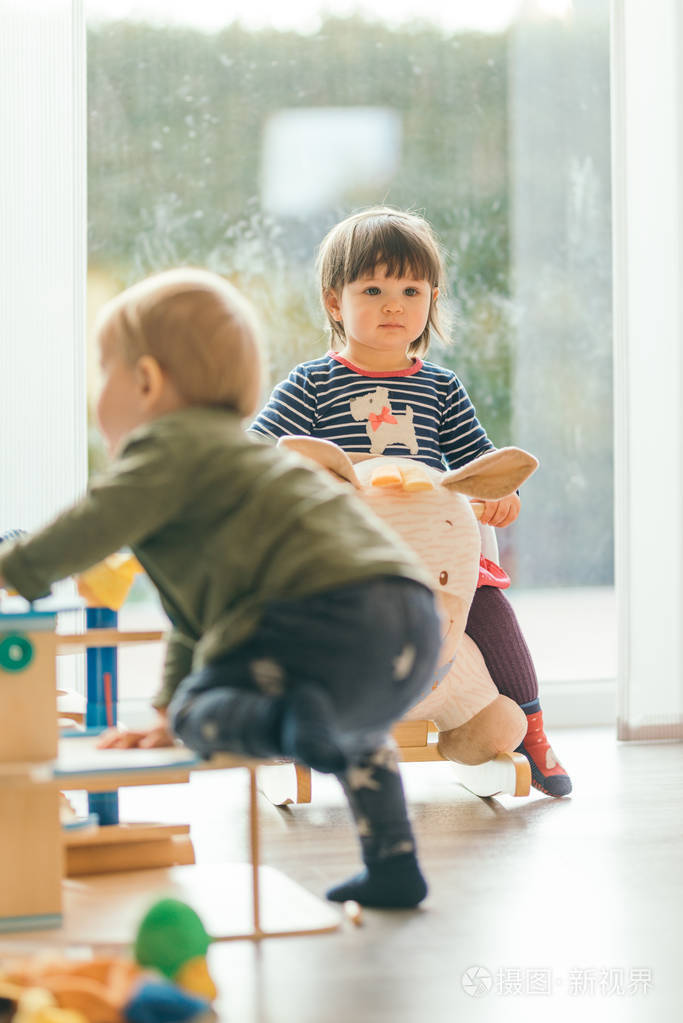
(539, 908)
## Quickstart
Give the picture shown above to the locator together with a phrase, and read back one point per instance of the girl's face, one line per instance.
(382, 315)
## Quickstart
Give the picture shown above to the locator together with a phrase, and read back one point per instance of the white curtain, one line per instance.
(42, 259)
(647, 89)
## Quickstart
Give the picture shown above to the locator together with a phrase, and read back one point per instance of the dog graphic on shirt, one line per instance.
(384, 428)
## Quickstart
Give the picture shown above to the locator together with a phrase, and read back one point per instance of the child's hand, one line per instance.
(156, 735)
(499, 513)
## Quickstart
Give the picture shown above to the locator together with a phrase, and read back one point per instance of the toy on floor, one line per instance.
(429, 509)
(33, 1005)
(171, 939)
(166, 982)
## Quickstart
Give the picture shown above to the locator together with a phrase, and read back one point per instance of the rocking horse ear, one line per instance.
(325, 454)
(494, 475)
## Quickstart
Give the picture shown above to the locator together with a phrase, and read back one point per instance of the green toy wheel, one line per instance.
(16, 652)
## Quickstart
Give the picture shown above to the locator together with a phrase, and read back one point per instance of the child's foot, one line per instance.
(547, 773)
(308, 733)
(394, 883)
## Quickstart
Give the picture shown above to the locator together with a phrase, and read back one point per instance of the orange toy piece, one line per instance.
(415, 478)
(408, 477)
(36, 1005)
(97, 990)
(194, 977)
(386, 475)
(107, 583)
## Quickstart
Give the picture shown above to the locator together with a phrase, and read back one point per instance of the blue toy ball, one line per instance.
(159, 1002)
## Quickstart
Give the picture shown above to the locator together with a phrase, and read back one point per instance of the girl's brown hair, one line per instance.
(404, 243)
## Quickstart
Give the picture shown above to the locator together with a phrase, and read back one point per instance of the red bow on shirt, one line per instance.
(385, 416)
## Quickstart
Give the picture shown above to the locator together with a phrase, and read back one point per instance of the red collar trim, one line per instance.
(415, 368)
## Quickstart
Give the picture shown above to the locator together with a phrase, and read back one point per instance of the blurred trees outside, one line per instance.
(176, 118)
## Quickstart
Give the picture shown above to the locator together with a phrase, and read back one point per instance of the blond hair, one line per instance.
(202, 332)
(404, 243)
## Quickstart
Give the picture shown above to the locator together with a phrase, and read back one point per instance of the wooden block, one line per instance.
(120, 834)
(28, 698)
(411, 733)
(30, 853)
(174, 850)
(416, 478)
(420, 754)
(386, 475)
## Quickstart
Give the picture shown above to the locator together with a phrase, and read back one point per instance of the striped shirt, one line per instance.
(422, 412)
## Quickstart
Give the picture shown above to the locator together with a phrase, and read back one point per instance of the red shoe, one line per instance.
(547, 773)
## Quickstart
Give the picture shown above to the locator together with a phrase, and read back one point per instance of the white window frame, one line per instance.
(647, 96)
(43, 260)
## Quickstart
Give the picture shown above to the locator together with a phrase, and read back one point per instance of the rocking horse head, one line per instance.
(430, 510)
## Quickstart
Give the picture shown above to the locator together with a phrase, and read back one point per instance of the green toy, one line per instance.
(171, 939)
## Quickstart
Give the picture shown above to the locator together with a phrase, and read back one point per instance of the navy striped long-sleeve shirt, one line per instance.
(422, 412)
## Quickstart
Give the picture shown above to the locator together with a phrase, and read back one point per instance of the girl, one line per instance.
(380, 274)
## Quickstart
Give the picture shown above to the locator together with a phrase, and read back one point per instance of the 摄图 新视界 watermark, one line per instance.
(577, 981)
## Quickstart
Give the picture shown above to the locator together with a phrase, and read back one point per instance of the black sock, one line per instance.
(307, 731)
(393, 883)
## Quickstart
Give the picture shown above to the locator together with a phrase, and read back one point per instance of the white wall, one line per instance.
(647, 90)
(42, 259)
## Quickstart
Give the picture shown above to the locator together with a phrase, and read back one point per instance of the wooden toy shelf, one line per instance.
(35, 766)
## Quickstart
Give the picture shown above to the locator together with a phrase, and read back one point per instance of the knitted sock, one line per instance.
(393, 883)
(547, 773)
(392, 877)
(493, 626)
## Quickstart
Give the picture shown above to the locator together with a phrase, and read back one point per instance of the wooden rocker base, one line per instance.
(508, 774)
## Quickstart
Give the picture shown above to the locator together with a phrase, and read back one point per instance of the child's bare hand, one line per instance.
(499, 513)
(155, 736)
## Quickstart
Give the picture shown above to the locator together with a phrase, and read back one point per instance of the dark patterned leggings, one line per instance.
(370, 648)
(493, 626)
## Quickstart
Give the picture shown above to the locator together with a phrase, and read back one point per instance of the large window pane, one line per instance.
(235, 145)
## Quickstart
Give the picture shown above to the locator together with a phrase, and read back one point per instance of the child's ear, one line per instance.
(435, 294)
(332, 304)
(149, 378)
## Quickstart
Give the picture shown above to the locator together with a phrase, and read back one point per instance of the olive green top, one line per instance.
(221, 523)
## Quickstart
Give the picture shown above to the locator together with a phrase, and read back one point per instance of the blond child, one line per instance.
(300, 628)
(381, 271)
